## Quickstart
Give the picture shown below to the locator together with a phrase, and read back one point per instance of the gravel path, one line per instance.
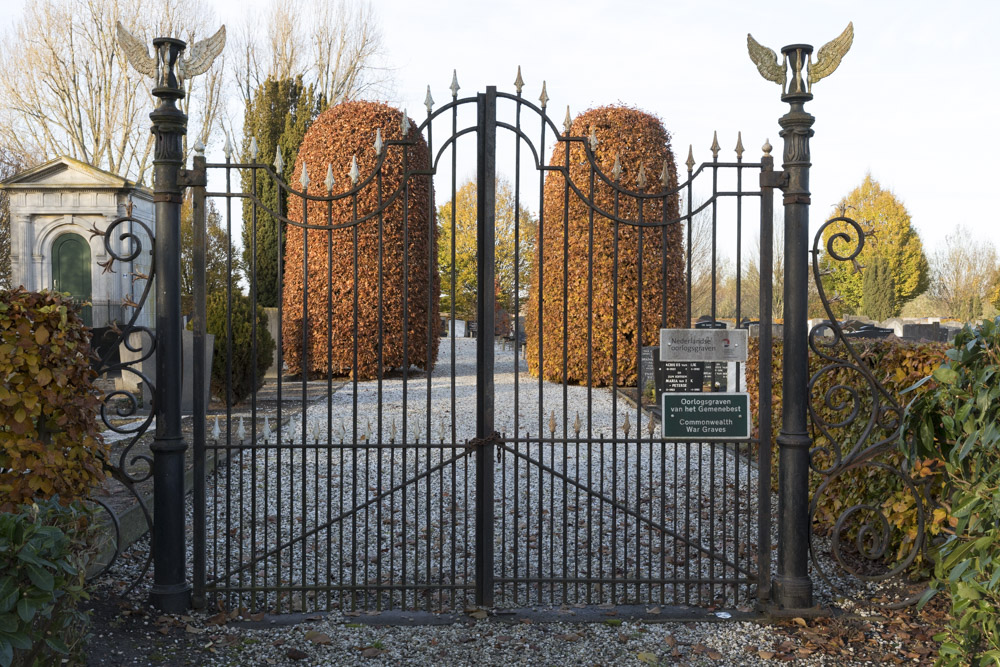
(612, 520)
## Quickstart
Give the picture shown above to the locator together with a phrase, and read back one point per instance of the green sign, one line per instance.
(706, 416)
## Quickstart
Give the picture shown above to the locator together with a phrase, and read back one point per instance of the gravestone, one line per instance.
(716, 374)
(932, 332)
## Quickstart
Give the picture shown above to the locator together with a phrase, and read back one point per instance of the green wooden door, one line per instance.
(71, 270)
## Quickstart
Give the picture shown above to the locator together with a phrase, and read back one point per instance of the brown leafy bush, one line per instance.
(636, 139)
(337, 135)
(897, 365)
(50, 443)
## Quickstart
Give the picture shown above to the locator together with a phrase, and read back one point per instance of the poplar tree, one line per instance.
(277, 116)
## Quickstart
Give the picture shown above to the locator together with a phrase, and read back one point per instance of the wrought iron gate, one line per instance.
(479, 482)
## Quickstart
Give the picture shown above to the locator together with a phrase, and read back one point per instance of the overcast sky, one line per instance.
(916, 101)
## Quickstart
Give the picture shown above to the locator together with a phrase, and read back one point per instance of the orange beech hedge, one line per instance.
(336, 136)
(636, 138)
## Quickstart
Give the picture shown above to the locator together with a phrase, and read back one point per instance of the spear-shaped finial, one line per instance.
(576, 425)
(241, 432)
(267, 429)
(715, 146)
(279, 162)
(593, 139)
(690, 160)
(650, 427)
(392, 432)
(544, 97)
(253, 148)
(454, 84)
(355, 173)
(518, 82)
(304, 179)
(665, 174)
(568, 121)
(641, 178)
(616, 170)
(766, 148)
(442, 431)
(227, 148)
(739, 146)
(329, 182)
(216, 431)
(429, 101)
(404, 124)
(627, 425)
(552, 423)
(378, 141)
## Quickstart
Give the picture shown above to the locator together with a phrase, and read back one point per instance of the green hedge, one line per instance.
(244, 368)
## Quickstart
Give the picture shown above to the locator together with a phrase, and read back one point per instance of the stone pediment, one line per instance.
(66, 174)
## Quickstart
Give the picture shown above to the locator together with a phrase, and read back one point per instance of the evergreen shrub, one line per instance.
(44, 551)
(336, 136)
(636, 139)
(244, 367)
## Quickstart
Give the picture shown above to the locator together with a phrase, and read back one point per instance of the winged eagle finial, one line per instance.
(766, 61)
(830, 54)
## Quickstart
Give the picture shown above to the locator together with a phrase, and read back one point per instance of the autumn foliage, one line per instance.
(50, 443)
(637, 139)
(327, 276)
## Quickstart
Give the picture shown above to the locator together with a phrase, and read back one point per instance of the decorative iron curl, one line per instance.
(129, 469)
(857, 434)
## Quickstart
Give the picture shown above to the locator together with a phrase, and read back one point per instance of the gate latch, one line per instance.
(493, 439)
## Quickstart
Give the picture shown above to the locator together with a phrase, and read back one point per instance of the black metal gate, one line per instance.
(478, 481)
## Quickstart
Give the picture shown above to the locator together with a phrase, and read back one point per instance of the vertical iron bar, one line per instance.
(792, 586)
(485, 269)
(765, 352)
(198, 380)
(171, 592)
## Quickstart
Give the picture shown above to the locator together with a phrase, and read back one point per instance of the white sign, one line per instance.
(703, 344)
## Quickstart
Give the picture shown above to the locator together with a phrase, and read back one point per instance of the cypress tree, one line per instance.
(278, 116)
(878, 295)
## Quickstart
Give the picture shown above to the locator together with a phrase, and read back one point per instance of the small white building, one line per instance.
(54, 210)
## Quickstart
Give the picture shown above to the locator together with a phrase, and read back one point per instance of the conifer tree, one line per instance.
(878, 298)
(277, 116)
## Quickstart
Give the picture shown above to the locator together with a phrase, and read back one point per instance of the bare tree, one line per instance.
(66, 89)
(335, 45)
(963, 271)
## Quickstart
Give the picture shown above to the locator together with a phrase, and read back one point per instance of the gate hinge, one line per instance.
(189, 178)
(773, 179)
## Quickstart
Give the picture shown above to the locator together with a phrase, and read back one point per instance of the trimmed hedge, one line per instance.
(897, 365)
(50, 442)
(337, 135)
(635, 138)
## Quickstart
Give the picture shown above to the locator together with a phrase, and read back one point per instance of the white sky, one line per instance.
(916, 101)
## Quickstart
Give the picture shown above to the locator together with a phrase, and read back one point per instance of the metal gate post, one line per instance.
(485, 270)
(171, 592)
(792, 588)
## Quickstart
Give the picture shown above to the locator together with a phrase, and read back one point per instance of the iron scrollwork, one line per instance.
(855, 421)
(120, 405)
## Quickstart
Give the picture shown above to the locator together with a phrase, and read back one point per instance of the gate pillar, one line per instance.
(171, 592)
(792, 587)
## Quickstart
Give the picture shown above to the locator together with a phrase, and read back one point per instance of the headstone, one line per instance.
(716, 374)
(932, 332)
(777, 331)
(869, 331)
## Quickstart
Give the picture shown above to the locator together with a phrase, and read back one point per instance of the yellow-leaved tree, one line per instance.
(463, 210)
(890, 236)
